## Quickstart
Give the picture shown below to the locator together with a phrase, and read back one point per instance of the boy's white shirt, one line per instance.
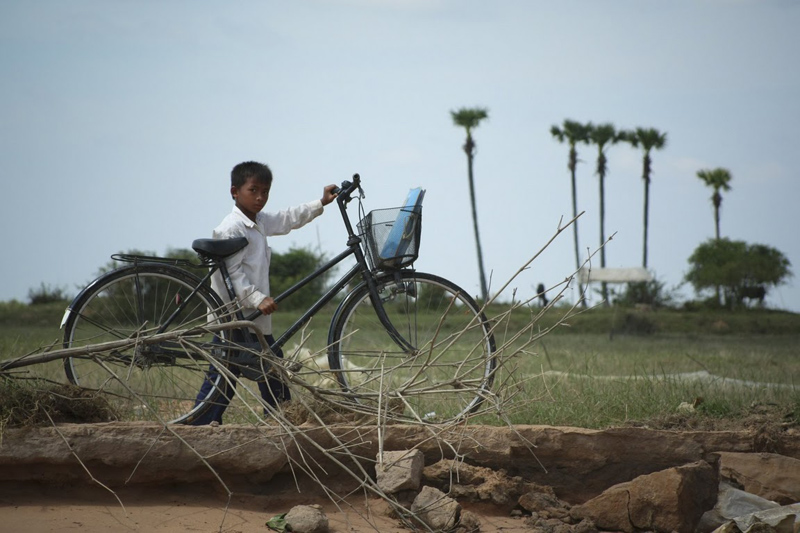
(249, 267)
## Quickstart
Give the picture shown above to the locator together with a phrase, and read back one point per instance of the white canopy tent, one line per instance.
(614, 275)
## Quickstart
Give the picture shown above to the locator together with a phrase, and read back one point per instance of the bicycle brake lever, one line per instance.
(357, 183)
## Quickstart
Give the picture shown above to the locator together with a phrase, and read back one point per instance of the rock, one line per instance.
(544, 505)
(671, 500)
(548, 525)
(463, 493)
(307, 519)
(479, 484)
(469, 523)
(436, 510)
(400, 470)
(538, 501)
(584, 526)
(771, 476)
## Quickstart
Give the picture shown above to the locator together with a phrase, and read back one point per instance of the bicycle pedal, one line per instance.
(243, 359)
(249, 365)
(254, 374)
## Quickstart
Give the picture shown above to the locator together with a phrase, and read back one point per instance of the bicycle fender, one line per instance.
(101, 279)
(68, 311)
(353, 294)
(349, 296)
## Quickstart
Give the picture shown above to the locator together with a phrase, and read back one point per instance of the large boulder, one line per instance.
(399, 470)
(671, 500)
(436, 510)
(768, 475)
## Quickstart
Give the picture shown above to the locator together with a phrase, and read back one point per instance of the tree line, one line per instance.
(286, 269)
(734, 269)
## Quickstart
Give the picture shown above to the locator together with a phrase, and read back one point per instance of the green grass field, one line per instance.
(602, 368)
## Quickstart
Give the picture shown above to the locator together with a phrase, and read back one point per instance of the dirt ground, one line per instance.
(32, 509)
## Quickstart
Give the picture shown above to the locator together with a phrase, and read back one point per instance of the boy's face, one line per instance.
(251, 197)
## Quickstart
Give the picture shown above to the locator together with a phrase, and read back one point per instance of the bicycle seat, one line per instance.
(217, 249)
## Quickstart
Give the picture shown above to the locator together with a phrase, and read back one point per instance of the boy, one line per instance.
(249, 268)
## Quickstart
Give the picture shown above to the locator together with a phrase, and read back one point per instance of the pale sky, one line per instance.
(120, 122)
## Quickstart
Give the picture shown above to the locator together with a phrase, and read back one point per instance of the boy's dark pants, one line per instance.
(273, 390)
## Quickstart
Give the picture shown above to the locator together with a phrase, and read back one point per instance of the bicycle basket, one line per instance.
(391, 236)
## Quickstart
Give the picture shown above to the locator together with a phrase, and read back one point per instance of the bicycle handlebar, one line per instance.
(345, 192)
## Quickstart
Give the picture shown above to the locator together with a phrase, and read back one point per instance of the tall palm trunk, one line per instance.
(646, 178)
(602, 135)
(601, 164)
(717, 201)
(469, 148)
(470, 118)
(572, 133)
(573, 163)
(649, 139)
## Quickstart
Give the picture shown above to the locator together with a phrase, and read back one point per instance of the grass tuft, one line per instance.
(27, 403)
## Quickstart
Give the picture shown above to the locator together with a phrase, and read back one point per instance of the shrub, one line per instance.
(46, 294)
(736, 270)
(653, 293)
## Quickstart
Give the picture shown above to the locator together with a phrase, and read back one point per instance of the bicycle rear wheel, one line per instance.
(146, 381)
(448, 372)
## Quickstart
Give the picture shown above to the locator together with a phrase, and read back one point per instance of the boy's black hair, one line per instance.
(250, 169)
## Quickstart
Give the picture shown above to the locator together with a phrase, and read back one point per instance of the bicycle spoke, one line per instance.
(448, 374)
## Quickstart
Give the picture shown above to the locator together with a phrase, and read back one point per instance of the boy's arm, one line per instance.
(282, 222)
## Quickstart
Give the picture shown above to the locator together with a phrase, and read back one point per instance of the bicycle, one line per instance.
(398, 335)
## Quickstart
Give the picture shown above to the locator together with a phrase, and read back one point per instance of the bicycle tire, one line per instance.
(448, 375)
(140, 383)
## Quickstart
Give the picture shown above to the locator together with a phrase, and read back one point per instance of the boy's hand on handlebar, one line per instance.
(328, 194)
(267, 306)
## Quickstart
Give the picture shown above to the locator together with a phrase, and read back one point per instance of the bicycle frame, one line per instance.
(251, 339)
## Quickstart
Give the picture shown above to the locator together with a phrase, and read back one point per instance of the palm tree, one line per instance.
(601, 135)
(718, 179)
(649, 139)
(573, 132)
(469, 118)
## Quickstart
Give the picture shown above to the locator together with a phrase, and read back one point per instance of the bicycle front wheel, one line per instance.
(147, 381)
(447, 366)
